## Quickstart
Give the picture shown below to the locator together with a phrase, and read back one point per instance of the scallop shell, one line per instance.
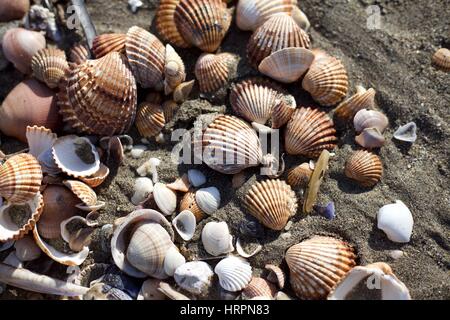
(165, 199)
(174, 70)
(108, 80)
(363, 99)
(97, 178)
(441, 59)
(49, 66)
(165, 24)
(208, 199)
(259, 287)
(20, 178)
(39, 139)
(278, 32)
(365, 119)
(212, 71)
(309, 132)
(107, 43)
(79, 53)
(234, 273)
(195, 277)
(299, 176)
(364, 167)
(317, 264)
(188, 203)
(202, 23)
(272, 202)
(287, 65)
(217, 239)
(150, 119)
(185, 224)
(370, 138)
(85, 193)
(276, 275)
(326, 81)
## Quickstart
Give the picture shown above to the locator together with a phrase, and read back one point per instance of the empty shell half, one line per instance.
(185, 224)
(363, 99)
(195, 277)
(88, 197)
(259, 287)
(217, 239)
(441, 59)
(165, 198)
(208, 199)
(234, 273)
(364, 167)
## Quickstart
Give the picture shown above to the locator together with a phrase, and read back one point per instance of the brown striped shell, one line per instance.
(170, 108)
(165, 24)
(317, 264)
(309, 132)
(283, 111)
(364, 167)
(441, 59)
(212, 71)
(150, 119)
(202, 23)
(49, 66)
(20, 178)
(99, 96)
(174, 70)
(277, 33)
(85, 193)
(189, 203)
(326, 81)
(79, 53)
(259, 287)
(107, 43)
(299, 176)
(275, 275)
(363, 99)
(97, 178)
(272, 202)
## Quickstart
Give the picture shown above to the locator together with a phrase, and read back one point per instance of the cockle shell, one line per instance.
(165, 199)
(217, 239)
(150, 119)
(174, 70)
(275, 275)
(283, 111)
(85, 193)
(185, 224)
(259, 287)
(195, 277)
(12, 10)
(317, 264)
(309, 132)
(49, 66)
(396, 221)
(299, 176)
(170, 109)
(27, 249)
(107, 43)
(212, 71)
(441, 59)
(20, 178)
(173, 260)
(326, 81)
(278, 32)
(188, 203)
(39, 139)
(363, 99)
(202, 23)
(272, 202)
(97, 178)
(234, 273)
(165, 24)
(79, 53)
(208, 199)
(287, 65)
(365, 119)
(108, 80)
(364, 167)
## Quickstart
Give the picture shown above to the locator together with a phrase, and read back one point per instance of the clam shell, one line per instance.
(259, 287)
(165, 199)
(299, 176)
(194, 276)
(441, 59)
(217, 239)
(202, 23)
(27, 249)
(370, 138)
(40, 139)
(174, 70)
(79, 53)
(150, 119)
(317, 264)
(309, 132)
(196, 177)
(20, 178)
(188, 203)
(97, 178)
(185, 224)
(276, 275)
(234, 273)
(165, 23)
(278, 32)
(85, 193)
(326, 81)
(396, 221)
(365, 119)
(272, 202)
(49, 66)
(208, 199)
(287, 65)
(212, 71)
(13, 10)
(364, 99)
(173, 260)
(107, 43)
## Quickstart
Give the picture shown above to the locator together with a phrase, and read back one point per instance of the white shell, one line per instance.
(234, 273)
(149, 290)
(370, 119)
(407, 133)
(196, 177)
(27, 249)
(138, 151)
(39, 140)
(165, 199)
(47, 162)
(216, 238)
(185, 224)
(194, 277)
(244, 254)
(208, 199)
(173, 260)
(142, 188)
(396, 221)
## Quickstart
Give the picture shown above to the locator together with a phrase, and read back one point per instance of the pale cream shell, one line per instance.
(217, 239)
(234, 273)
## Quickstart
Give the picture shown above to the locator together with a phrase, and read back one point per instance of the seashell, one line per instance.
(102, 291)
(283, 111)
(79, 53)
(326, 81)
(76, 156)
(20, 178)
(165, 23)
(240, 250)
(259, 287)
(87, 196)
(328, 211)
(182, 92)
(172, 261)
(278, 32)
(165, 199)
(365, 119)
(196, 177)
(16, 220)
(317, 264)
(19, 46)
(364, 167)
(363, 99)
(27, 249)
(146, 56)
(97, 178)
(143, 187)
(188, 203)
(213, 71)
(234, 273)
(49, 66)
(13, 10)
(396, 221)
(202, 23)
(149, 290)
(287, 65)
(441, 59)
(377, 280)
(194, 277)
(272, 202)
(300, 18)
(276, 275)
(39, 139)
(170, 108)
(216, 238)
(150, 119)
(250, 14)
(78, 235)
(185, 224)
(138, 151)
(370, 138)
(406, 133)
(208, 199)
(174, 70)
(29, 103)
(309, 132)
(299, 176)
(181, 184)
(107, 43)
(315, 181)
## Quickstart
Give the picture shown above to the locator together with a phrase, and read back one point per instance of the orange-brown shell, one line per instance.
(346, 111)
(189, 203)
(212, 71)
(165, 23)
(109, 42)
(49, 66)
(259, 287)
(309, 132)
(441, 59)
(299, 176)
(170, 108)
(364, 167)
(150, 119)
(282, 112)
(79, 53)
(97, 178)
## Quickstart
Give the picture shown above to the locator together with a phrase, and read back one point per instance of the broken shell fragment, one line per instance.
(234, 273)
(97, 178)
(185, 224)
(143, 187)
(27, 249)
(275, 275)
(149, 290)
(406, 133)
(182, 92)
(240, 250)
(370, 138)
(39, 139)
(217, 239)
(396, 221)
(364, 167)
(196, 177)
(363, 99)
(182, 184)
(49, 66)
(208, 199)
(441, 59)
(259, 287)
(195, 277)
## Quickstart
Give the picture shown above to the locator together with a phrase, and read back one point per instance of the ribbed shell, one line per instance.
(364, 167)
(272, 202)
(234, 273)
(282, 112)
(317, 264)
(174, 70)
(326, 81)
(299, 176)
(150, 119)
(309, 132)
(233, 144)
(189, 203)
(276, 275)
(441, 59)
(347, 110)
(49, 66)
(85, 193)
(99, 96)
(259, 287)
(203, 23)
(277, 33)
(107, 43)
(146, 55)
(79, 53)
(165, 23)
(20, 178)
(212, 71)
(97, 178)
(170, 108)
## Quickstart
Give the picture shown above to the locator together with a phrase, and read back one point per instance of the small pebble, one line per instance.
(286, 235)
(288, 226)
(396, 254)
(138, 151)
